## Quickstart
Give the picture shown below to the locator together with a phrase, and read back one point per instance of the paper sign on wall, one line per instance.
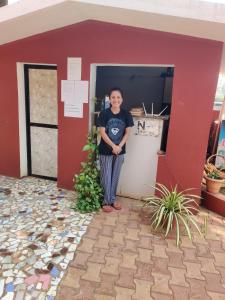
(73, 104)
(81, 90)
(73, 110)
(74, 68)
(67, 91)
(74, 91)
(74, 94)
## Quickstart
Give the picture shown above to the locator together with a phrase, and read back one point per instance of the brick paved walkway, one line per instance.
(120, 258)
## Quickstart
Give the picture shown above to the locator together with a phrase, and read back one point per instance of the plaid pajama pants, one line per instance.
(110, 167)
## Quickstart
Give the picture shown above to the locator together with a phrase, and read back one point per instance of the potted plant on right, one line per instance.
(214, 176)
(214, 181)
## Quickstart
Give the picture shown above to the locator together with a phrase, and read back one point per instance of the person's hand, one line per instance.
(116, 149)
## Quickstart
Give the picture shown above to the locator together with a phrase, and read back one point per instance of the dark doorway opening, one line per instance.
(151, 85)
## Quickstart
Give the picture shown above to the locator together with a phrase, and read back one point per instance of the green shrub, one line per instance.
(87, 182)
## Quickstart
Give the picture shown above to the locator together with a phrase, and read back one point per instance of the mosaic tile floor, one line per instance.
(39, 233)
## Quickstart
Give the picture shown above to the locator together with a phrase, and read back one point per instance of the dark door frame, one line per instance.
(28, 123)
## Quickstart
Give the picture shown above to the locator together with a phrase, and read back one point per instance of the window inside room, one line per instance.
(149, 85)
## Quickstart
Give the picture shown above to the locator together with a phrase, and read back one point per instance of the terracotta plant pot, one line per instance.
(213, 185)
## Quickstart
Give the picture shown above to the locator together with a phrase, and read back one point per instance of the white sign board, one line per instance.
(81, 90)
(67, 91)
(73, 110)
(148, 127)
(74, 68)
(74, 93)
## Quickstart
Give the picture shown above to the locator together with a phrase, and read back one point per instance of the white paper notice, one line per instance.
(73, 96)
(81, 91)
(67, 91)
(74, 68)
(74, 93)
(73, 110)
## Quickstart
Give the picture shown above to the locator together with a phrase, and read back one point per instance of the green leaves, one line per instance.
(215, 175)
(172, 209)
(87, 182)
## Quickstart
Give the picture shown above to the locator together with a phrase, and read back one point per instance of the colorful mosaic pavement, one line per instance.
(39, 234)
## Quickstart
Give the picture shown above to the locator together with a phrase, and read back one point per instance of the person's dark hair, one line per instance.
(117, 89)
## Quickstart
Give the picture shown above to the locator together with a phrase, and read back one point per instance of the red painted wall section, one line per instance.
(9, 132)
(196, 61)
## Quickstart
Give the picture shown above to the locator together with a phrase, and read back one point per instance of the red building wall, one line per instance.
(196, 63)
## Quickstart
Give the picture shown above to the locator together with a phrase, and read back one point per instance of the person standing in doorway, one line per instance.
(115, 124)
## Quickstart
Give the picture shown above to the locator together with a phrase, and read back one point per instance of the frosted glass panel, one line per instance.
(43, 96)
(44, 151)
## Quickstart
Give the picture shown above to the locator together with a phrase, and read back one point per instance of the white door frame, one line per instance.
(22, 115)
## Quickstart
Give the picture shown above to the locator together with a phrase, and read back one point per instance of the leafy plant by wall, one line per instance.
(87, 182)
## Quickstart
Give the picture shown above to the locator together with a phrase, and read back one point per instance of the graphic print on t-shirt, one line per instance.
(115, 130)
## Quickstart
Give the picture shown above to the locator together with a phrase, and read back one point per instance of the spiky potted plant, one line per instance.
(172, 209)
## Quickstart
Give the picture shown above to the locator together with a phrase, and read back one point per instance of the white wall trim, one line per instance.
(22, 115)
(133, 65)
(93, 74)
(22, 119)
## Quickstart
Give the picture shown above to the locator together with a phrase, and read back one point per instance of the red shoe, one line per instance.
(107, 208)
(116, 205)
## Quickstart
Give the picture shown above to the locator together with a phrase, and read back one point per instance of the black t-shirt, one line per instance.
(115, 125)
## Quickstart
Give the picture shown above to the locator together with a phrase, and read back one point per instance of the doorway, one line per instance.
(147, 88)
(41, 108)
